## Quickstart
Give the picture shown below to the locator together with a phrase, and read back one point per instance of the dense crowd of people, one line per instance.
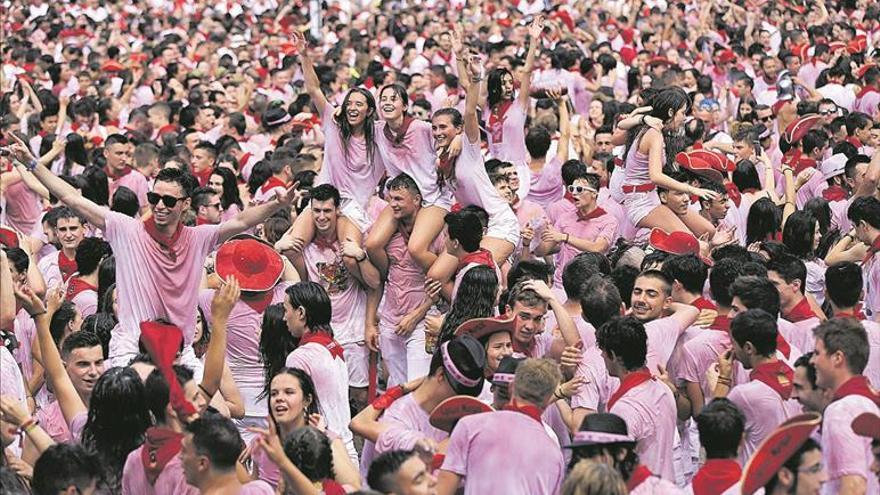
(439, 247)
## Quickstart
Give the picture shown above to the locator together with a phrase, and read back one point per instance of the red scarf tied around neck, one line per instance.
(325, 340)
(632, 380)
(716, 476)
(776, 375)
(527, 409)
(857, 385)
(160, 446)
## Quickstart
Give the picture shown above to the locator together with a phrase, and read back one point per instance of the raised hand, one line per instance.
(291, 195)
(225, 298)
(537, 27)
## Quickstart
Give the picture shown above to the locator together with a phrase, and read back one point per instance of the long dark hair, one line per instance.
(799, 234)
(745, 176)
(763, 222)
(306, 384)
(96, 187)
(494, 87)
(663, 102)
(229, 195)
(276, 343)
(475, 299)
(624, 467)
(118, 418)
(345, 129)
(314, 299)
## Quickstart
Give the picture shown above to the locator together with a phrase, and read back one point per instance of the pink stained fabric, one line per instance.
(266, 469)
(472, 185)
(558, 208)
(657, 486)
(638, 204)
(407, 424)
(261, 196)
(52, 420)
(663, 333)
(135, 181)
(872, 370)
(331, 383)
(868, 103)
(23, 207)
(871, 273)
(86, 302)
(843, 452)
(598, 385)
(229, 213)
(170, 480)
(257, 487)
(405, 287)
(764, 410)
(26, 333)
(546, 185)
(347, 295)
(800, 334)
(532, 214)
(602, 227)
(650, 414)
(528, 461)
(354, 172)
(243, 348)
(151, 283)
(48, 266)
(508, 143)
(414, 156)
(698, 355)
(839, 220)
(812, 189)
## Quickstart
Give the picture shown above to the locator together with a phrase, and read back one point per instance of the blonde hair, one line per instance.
(593, 478)
(536, 380)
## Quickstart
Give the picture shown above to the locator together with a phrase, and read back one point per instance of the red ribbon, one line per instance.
(160, 446)
(638, 477)
(800, 312)
(777, 375)
(598, 212)
(270, 183)
(702, 303)
(396, 138)
(631, 381)
(66, 265)
(716, 476)
(325, 340)
(77, 285)
(527, 409)
(481, 256)
(857, 385)
(834, 193)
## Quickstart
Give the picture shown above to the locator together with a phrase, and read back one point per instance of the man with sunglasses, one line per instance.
(587, 228)
(158, 260)
(828, 110)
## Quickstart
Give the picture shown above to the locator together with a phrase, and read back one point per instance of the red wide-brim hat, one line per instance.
(8, 238)
(447, 413)
(255, 264)
(776, 449)
(698, 164)
(482, 327)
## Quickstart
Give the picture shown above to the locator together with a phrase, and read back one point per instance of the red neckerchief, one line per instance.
(803, 164)
(569, 196)
(527, 409)
(259, 301)
(166, 241)
(66, 265)
(77, 285)
(481, 256)
(242, 161)
(866, 90)
(857, 385)
(782, 345)
(598, 212)
(396, 138)
(639, 475)
(800, 312)
(325, 340)
(497, 115)
(715, 476)
(271, 183)
(204, 176)
(445, 167)
(331, 487)
(834, 193)
(165, 129)
(733, 193)
(855, 314)
(750, 190)
(111, 123)
(446, 57)
(702, 303)
(202, 221)
(113, 176)
(631, 381)
(720, 323)
(775, 374)
(160, 446)
(873, 248)
(525, 350)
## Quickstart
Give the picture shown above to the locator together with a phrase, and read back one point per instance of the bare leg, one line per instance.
(380, 235)
(698, 224)
(662, 218)
(346, 230)
(303, 227)
(499, 248)
(429, 224)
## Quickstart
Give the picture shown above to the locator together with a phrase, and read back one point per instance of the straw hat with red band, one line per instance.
(447, 413)
(162, 341)
(8, 237)
(867, 425)
(776, 449)
(698, 165)
(676, 243)
(796, 131)
(255, 264)
(483, 327)
(602, 428)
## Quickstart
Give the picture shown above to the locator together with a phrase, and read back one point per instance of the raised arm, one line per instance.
(70, 401)
(254, 215)
(525, 83)
(473, 72)
(7, 296)
(312, 83)
(564, 127)
(66, 193)
(221, 305)
(655, 168)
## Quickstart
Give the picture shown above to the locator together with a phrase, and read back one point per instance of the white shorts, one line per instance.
(121, 353)
(504, 226)
(356, 214)
(639, 204)
(357, 359)
(445, 200)
(404, 356)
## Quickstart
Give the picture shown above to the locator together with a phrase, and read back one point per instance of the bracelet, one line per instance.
(724, 380)
(559, 395)
(567, 237)
(29, 424)
(361, 260)
(642, 119)
(38, 313)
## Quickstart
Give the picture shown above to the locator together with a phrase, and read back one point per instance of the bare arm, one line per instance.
(312, 84)
(853, 484)
(525, 82)
(66, 193)
(7, 296)
(684, 314)
(221, 305)
(564, 131)
(447, 482)
(252, 216)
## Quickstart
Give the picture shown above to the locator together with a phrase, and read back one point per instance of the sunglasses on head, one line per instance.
(170, 201)
(580, 189)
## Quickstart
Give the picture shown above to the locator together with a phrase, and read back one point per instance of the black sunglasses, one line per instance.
(170, 201)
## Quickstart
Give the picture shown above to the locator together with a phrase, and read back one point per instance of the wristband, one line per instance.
(31, 165)
(361, 260)
(385, 400)
(567, 236)
(38, 313)
(28, 425)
